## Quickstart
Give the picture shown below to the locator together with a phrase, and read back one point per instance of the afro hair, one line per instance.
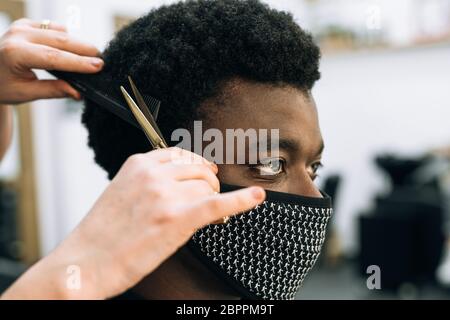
(183, 54)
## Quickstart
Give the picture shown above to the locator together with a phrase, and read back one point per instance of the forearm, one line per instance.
(63, 274)
(41, 281)
(5, 128)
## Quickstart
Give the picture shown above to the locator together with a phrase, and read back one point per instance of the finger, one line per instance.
(45, 89)
(178, 155)
(37, 24)
(61, 40)
(183, 172)
(36, 56)
(221, 205)
(194, 189)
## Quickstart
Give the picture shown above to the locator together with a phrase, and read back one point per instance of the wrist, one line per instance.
(89, 270)
(52, 279)
(73, 279)
(76, 271)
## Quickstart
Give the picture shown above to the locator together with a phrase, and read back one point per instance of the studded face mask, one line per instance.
(266, 253)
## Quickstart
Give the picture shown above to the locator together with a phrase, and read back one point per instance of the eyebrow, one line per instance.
(321, 147)
(291, 145)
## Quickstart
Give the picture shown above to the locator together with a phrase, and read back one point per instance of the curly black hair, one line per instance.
(184, 53)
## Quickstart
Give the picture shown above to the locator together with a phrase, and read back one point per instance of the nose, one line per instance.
(303, 185)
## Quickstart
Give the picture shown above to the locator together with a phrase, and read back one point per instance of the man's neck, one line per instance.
(182, 276)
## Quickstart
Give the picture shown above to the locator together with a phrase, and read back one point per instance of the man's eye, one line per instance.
(315, 168)
(270, 167)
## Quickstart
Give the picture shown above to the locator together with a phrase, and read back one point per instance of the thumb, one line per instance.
(221, 205)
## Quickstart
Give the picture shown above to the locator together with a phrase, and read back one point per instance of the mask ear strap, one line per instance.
(225, 187)
(324, 202)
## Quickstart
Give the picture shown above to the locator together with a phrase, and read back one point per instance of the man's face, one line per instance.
(250, 106)
(257, 106)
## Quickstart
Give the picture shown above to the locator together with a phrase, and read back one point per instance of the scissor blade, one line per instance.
(140, 100)
(145, 109)
(156, 111)
(151, 134)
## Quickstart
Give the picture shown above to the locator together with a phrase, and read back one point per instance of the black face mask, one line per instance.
(266, 253)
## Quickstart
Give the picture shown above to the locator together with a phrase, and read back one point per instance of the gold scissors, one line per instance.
(144, 117)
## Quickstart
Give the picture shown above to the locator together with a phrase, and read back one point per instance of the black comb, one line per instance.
(105, 91)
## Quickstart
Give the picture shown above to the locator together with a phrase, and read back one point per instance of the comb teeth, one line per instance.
(152, 103)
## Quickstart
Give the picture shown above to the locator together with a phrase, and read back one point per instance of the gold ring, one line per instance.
(45, 24)
(224, 219)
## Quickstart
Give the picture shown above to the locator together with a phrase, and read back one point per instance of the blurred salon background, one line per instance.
(384, 106)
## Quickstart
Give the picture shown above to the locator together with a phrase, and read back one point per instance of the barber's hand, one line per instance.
(25, 46)
(151, 208)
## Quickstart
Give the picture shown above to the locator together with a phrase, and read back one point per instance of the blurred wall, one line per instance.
(389, 101)
(369, 102)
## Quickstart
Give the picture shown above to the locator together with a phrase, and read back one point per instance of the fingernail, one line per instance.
(97, 62)
(73, 94)
(258, 193)
(77, 95)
